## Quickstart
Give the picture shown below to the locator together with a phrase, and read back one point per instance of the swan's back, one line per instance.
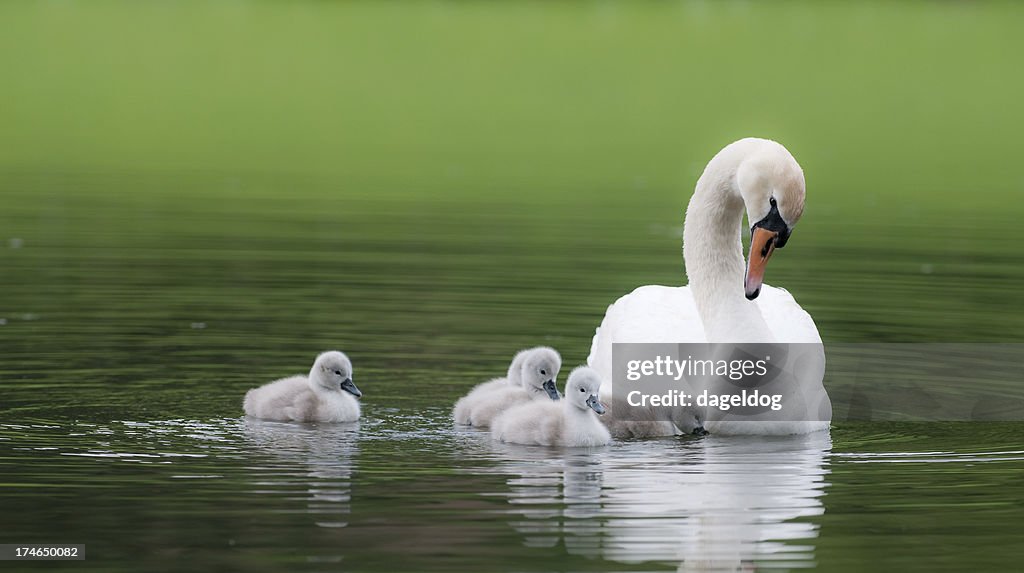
(651, 313)
(788, 321)
(655, 313)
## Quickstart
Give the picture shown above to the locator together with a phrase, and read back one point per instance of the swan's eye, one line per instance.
(338, 372)
(583, 390)
(543, 373)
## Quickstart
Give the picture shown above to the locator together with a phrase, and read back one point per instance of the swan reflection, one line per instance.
(714, 504)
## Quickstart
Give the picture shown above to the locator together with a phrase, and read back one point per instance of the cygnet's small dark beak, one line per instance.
(549, 387)
(350, 387)
(595, 404)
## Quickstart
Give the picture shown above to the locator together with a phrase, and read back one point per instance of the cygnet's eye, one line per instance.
(543, 373)
(338, 372)
(583, 389)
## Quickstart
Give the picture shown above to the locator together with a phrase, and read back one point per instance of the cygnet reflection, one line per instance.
(315, 460)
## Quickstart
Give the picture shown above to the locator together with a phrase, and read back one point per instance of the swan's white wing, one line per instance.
(791, 324)
(651, 313)
(655, 313)
(788, 322)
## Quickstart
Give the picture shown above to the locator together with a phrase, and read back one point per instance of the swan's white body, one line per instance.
(571, 422)
(522, 384)
(315, 398)
(714, 308)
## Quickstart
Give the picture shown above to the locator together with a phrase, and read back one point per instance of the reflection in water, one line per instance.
(713, 504)
(317, 457)
(267, 496)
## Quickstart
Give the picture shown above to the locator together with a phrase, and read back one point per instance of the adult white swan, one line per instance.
(725, 300)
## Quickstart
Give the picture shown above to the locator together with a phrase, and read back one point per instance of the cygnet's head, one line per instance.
(333, 371)
(581, 390)
(771, 183)
(539, 369)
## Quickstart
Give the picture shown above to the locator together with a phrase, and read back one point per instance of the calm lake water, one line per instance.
(137, 310)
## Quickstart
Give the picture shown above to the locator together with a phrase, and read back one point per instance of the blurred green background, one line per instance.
(878, 100)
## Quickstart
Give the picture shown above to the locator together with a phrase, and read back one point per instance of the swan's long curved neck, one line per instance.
(713, 251)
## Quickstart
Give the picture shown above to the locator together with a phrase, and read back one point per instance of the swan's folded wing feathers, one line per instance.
(787, 319)
(651, 313)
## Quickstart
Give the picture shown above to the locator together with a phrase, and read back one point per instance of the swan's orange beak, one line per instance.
(762, 245)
